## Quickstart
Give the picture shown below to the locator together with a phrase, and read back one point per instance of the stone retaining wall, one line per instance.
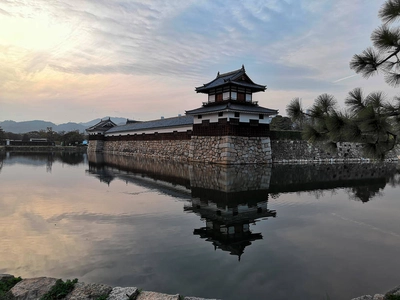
(236, 150)
(289, 151)
(95, 146)
(230, 149)
(211, 149)
(177, 150)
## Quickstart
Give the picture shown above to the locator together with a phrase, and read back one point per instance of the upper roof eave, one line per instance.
(254, 86)
(229, 78)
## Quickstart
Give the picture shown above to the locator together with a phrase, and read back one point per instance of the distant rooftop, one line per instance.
(103, 125)
(160, 123)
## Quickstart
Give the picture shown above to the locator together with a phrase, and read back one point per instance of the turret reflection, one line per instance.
(230, 199)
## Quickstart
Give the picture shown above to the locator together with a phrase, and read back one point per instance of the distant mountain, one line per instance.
(26, 126)
(69, 127)
(37, 125)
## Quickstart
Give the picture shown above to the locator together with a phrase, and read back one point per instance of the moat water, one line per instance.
(244, 232)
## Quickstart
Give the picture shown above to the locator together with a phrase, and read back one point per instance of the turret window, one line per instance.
(234, 95)
(225, 96)
(248, 97)
(211, 98)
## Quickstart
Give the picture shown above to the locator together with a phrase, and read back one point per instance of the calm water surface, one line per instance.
(245, 232)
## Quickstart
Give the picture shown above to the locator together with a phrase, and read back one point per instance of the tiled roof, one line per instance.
(103, 125)
(230, 78)
(160, 123)
(232, 107)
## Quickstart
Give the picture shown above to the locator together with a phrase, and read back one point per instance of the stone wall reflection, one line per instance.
(233, 178)
(171, 171)
(361, 181)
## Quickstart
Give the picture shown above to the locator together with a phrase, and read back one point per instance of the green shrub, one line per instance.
(60, 290)
(6, 285)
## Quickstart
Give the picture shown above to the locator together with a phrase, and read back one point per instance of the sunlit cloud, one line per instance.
(104, 56)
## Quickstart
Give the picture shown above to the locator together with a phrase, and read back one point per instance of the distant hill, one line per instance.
(37, 125)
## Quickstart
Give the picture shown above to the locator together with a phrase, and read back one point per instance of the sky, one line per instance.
(77, 60)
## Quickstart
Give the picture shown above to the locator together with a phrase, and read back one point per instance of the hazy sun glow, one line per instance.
(39, 32)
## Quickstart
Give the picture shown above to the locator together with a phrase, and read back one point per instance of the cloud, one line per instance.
(303, 46)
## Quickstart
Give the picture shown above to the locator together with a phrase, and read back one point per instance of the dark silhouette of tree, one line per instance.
(25, 137)
(282, 123)
(73, 138)
(370, 120)
(2, 134)
(384, 55)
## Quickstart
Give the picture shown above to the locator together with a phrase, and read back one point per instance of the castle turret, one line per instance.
(96, 134)
(231, 127)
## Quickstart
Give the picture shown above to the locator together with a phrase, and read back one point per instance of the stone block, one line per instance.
(196, 298)
(33, 288)
(365, 297)
(122, 293)
(224, 145)
(86, 291)
(395, 291)
(156, 296)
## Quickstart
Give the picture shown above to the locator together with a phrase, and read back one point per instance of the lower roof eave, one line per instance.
(153, 129)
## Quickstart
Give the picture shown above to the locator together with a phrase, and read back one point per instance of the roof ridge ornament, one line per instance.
(243, 67)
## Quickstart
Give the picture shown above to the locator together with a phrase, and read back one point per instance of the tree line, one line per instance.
(62, 137)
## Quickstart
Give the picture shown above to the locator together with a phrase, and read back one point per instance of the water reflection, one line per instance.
(46, 159)
(155, 224)
(362, 182)
(229, 199)
(2, 156)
